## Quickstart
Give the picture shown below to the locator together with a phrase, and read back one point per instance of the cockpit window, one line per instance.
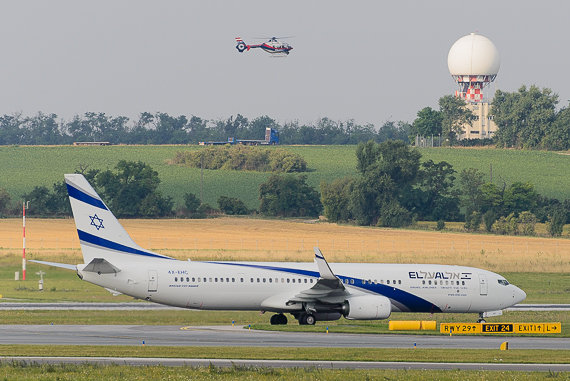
(503, 282)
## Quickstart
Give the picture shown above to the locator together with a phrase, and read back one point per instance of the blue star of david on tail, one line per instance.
(97, 222)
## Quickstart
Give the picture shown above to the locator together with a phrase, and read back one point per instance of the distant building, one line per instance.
(91, 143)
(483, 127)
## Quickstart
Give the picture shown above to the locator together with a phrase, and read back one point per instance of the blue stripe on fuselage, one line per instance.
(413, 302)
(105, 243)
(84, 197)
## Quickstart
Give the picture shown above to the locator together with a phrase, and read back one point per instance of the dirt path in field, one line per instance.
(277, 240)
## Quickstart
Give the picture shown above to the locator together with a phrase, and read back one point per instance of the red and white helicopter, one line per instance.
(272, 46)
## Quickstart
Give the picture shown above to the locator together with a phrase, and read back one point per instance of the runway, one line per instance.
(136, 361)
(228, 336)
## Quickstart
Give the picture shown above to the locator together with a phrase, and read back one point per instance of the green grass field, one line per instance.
(23, 371)
(25, 167)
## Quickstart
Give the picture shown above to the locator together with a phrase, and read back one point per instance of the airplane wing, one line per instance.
(329, 289)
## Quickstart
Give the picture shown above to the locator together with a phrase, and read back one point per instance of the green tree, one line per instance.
(131, 191)
(191, 202)
(523, 118)
(388, 172)
(527, 222)
(4, 201)
(470, 182)
(427, 123)
(557, 135)
(335, 198)
(288, 196)
(232, 206)
(519, 197)
(555, 223)
(435, 197)
(454, 116)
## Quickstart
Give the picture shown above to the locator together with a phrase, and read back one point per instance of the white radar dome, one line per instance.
(473, 55)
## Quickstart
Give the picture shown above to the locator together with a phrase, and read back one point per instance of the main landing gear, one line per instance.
(278, 319)
(307, 319)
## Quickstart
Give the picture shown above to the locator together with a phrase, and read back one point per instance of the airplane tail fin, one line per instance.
(100, 233)
(241, 45)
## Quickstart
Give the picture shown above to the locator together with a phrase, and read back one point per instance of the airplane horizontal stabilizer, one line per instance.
(55, 264)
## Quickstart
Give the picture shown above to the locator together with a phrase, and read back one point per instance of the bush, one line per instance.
(394, 215)
(527, 222)
(232, 206)
(440, 225)
(335, 198)
(288, 196)
(555, 223)
(473, 221)
(240, 157)
(489, 219)
(191, 202)
(506, 225)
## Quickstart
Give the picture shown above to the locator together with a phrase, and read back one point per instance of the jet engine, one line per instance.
(367, 307)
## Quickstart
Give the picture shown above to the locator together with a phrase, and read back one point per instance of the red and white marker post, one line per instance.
(24, 240)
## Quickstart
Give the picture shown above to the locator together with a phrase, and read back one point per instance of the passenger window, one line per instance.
(215, 279)
(241, 280)
(311, 280)
(429, 282)
(263, 280)
(282, 280)
(270, 280)
(400, 281)
(257, 280)
(176, 279)
(292, 280)
(210, 280)
(193, 279)
(233, 280)
(463, 282)
(187, 279)
(387, 282)
(352, 281)
(228, 279)
(251, 280)
(287, 280)
(423, 282)
(222, 280)
(306, 280)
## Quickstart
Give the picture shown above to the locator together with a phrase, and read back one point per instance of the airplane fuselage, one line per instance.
(251, 285)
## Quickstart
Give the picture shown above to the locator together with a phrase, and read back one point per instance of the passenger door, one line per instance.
(152, 281)
(483, 286)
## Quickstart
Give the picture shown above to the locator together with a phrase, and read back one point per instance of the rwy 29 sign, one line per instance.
(470, 328)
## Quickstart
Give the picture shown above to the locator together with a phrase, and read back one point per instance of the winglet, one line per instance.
(324, 268)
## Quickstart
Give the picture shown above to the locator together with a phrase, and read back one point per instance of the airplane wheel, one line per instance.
(481, 321)
(310, 320)
(278, 319)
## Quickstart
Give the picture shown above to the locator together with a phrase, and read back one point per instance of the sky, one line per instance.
(371, 61)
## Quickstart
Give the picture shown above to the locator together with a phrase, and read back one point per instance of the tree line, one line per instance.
(525, 119)
(391, 188)
(161, 128)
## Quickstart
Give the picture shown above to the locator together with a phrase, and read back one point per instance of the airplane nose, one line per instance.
(519, 295)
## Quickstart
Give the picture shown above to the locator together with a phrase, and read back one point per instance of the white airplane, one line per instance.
(309, 291)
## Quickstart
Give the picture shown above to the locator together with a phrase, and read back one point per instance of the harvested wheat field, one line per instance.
(286, 240)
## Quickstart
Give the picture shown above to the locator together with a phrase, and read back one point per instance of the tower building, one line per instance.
(474, 62)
